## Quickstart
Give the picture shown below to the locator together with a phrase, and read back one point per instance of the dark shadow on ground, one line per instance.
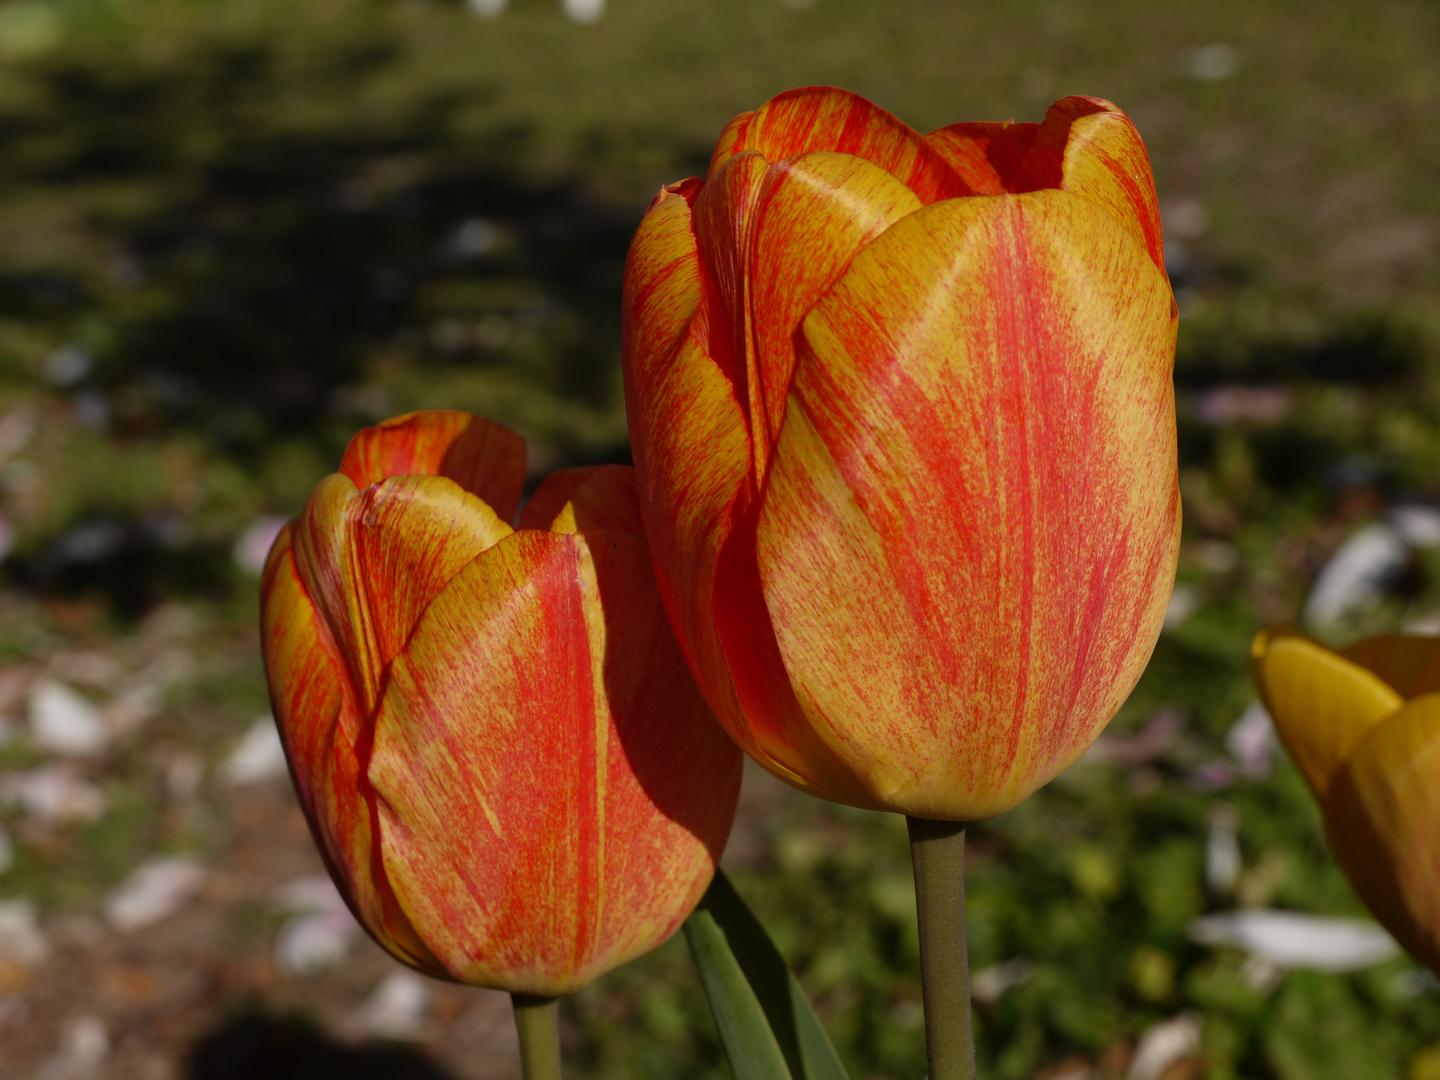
(263, 1047)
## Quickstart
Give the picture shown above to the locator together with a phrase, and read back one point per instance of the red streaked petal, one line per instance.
(972, 520)
(692, 458)
(1043, 163)
(986, 155)
(723, 218)
(373, 560)
(1105, 160)
(662, 290)
(501, 702)
(321, 731)
(1086, 146)
(824, 118)
(410, 535)
(483, 457)
(603, 497)
(812, 214)
(604, 501)
(325, 561)
(551, 496)
(692, 454)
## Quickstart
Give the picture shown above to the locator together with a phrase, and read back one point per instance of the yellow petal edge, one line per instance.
(1322, 703)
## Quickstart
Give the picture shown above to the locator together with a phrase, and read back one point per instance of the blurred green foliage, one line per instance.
(230, 234)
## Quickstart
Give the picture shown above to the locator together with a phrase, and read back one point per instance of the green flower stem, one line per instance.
(537, 1019)
(937, 849)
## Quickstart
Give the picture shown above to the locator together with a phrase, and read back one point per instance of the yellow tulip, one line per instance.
(1363, 725)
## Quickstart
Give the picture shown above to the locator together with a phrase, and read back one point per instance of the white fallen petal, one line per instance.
(1427, 624)
(21, 939)
(52, 795)
(313, 892)
(321, 930)
(308, 943)
(64, 722)
(990, 984)
(1210, 63)
(584, 11)
(252, 547)
(1291, 939)
(1357, 575)
(1222, 849)
(1417, 525)
(1163, 1045)
(1252, 741)
(84, 1046)
(155, 891)
(258, 757)
(396, 1008)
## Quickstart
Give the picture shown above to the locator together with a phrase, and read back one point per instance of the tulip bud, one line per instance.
(904, 431)
(1363, 726)
(504, 761)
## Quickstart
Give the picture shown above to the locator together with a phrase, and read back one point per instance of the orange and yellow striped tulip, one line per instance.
(903, 421)
(1363, 725)
(505, 763)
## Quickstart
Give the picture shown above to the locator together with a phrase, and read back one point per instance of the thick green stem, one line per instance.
(937, 848)
(537, 1019)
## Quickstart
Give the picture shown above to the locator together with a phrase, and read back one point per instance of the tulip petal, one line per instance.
(410, 536)
(374, 559)
(813, 214)
(512, 887)
(1382, 816)
(1322, 704)
(972, 519)
(551, 496)
(1086, 146)
(662, 290)
(986, 155)
(693, 462)
(1106, 161)
(321, 730)
(724, 213)
(823, 118)
(1409, 663)
(323, 556)
(604, 501)
(688, 434)
(484, 458)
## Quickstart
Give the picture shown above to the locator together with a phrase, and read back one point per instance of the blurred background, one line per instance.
(232, 233)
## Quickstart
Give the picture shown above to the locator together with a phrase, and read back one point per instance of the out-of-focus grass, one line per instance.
(232, 233)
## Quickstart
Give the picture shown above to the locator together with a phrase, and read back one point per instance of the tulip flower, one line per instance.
(904, 433)
(1363, 725)
(504, 761)
(903, 423)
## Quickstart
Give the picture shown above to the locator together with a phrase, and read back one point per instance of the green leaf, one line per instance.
(765, 1021)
